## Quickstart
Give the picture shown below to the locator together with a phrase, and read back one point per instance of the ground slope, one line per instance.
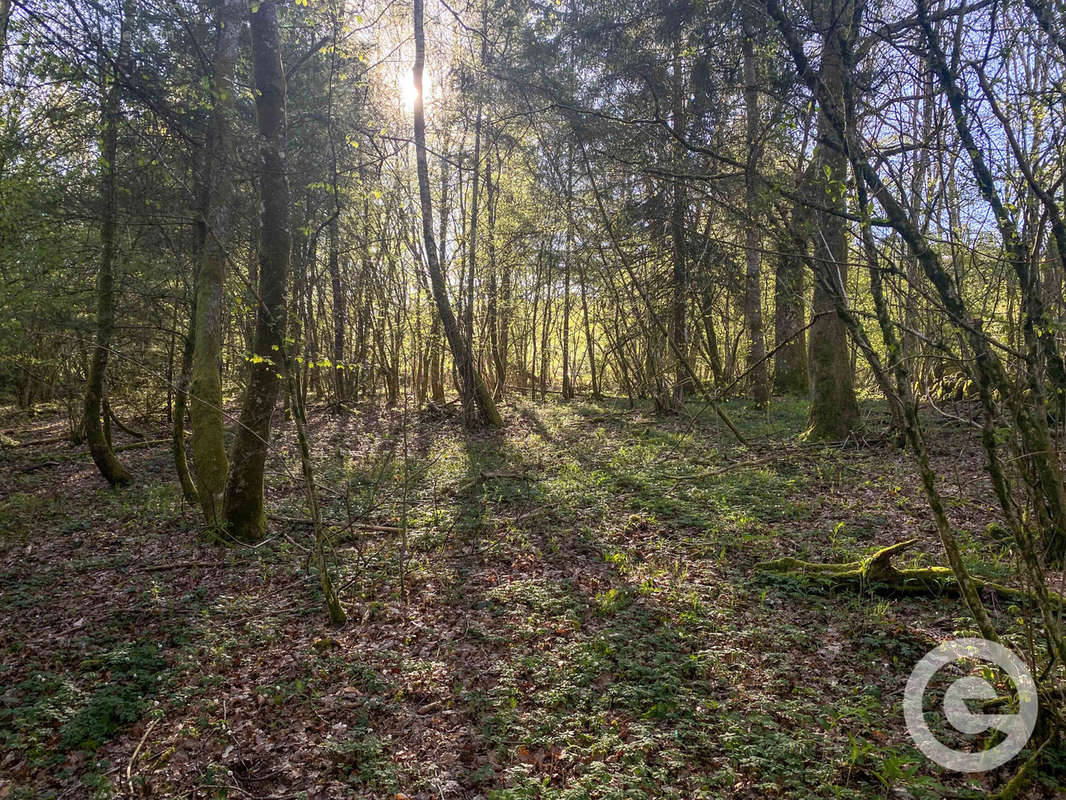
(573, 612)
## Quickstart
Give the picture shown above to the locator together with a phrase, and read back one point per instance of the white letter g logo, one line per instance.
(1017, 727)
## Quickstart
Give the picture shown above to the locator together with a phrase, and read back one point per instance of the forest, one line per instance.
(562, 399)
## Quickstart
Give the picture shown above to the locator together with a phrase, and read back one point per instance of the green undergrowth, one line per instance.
(576, 598)
(49, 714)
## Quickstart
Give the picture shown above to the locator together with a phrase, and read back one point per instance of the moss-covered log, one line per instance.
(878, 572)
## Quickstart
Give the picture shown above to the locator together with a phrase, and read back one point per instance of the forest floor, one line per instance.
(574, 612)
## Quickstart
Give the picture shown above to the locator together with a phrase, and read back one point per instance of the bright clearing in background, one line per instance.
(408, 93)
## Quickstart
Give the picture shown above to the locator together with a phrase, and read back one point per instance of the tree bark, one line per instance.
(5, 19)
(244, 513)
(545, 325)
(790, 361)
(679, 299)
(95, 390)
(340, 315)
(177, 432)
(568, 389)
(205, 389)
(590, 341)
(758, 373)
(471, 243)
(497, 326)
(834, 411)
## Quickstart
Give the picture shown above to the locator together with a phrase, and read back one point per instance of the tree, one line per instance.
(834, 411)
(477, 400)
(97, 426)
(205, 408)
(244, 514)
(760, 381)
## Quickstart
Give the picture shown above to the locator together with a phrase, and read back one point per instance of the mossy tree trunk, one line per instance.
(243, 504)
(834, 411)
(205, 388)
(878, 572)
(177, 432)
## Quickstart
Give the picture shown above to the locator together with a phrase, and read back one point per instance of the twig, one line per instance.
(137, 752)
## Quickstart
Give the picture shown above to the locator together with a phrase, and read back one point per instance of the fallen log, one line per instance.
(878, 572)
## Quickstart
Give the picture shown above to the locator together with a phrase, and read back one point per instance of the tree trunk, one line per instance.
(679, 300)
(545, 327)
(568, 389)
(177, 432)
(714, 352)
(437, 353)
(760, 382)
(492, 310)
(476, 398)
(468, 307)
(244, 512)
(790, 360)
(95, 389)
(340, 315)
(505, 324)
(533, 330)
(5, 18)
(205, 389)
(362, 372)
(834, 411)
(590, 341)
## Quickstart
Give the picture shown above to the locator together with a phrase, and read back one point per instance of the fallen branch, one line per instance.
(877, 571)
(38, 465)
(137, 753)
(149, 443)
(444, 410)
(82, 453)
(362, 526)
(182, 565)
(488, 475)
(32, 442)
(122, 426)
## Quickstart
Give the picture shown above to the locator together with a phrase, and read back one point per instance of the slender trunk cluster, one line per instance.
(476, 398)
